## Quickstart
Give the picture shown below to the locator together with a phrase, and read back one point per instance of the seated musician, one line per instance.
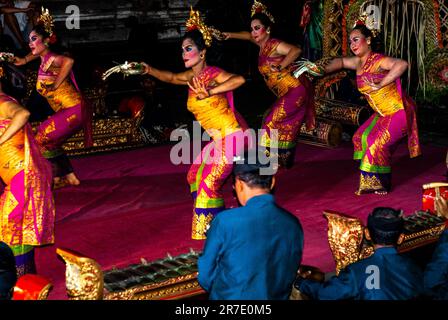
(8, 275)
(436, 272)
(252, 252)
(385, 275)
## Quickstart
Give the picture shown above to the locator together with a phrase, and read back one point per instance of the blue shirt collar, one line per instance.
(386, 250)
(260, 199)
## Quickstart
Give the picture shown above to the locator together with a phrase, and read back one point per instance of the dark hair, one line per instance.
(196, 36)
(213, 55)
(8, 275)
(255, 180)
(54, 43)
(263, 19)
(375, 42)
(247, 169)
(40, 30)
(385, 225)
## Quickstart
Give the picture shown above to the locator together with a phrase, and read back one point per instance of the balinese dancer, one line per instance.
(378, 78)
(26, 205)
(295, 97)
(57, 84)
(210, 101)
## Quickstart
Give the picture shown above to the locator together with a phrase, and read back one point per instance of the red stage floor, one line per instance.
(136, 204)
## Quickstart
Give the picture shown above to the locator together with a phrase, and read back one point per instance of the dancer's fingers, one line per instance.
(191, 87)
(202, 84)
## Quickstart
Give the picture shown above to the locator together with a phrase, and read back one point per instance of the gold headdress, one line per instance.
(258, 7)
(195, 22)
(46, 20)
(369, 22)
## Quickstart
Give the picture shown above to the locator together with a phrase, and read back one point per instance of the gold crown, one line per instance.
(258, 7)
(369, 22)
(195, 22)
(47, 20)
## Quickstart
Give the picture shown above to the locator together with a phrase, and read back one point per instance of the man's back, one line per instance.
(399, 278)
(8, 275)
(436, 272)
(252, 252)
(385, 275)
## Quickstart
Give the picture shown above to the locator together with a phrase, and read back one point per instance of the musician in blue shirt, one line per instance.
(436, 272)
(252, 252)
(385, 275)
(8, 275)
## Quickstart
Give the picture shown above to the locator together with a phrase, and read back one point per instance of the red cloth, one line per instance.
(31, 287)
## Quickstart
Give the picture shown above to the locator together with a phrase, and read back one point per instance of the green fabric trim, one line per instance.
(194, 186)
(209, 203)
(21, 249)
(266, 142)
(49, 154)
(201, 168)
(367, 132)
(286, 144)
(359, 154)
(315, 25)
(374, 169)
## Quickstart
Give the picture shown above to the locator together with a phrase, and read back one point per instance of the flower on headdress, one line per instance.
(369, 22)
(258, 7)
(195, 22)
(53, 38)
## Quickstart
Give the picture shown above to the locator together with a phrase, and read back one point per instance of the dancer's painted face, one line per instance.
(358, 43)
(36, 43)
(258, 31)
(190, 53)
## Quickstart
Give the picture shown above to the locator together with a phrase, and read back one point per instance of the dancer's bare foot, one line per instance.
(72, 179)
(59, 182)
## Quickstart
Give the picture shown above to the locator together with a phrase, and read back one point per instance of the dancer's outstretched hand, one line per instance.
(373, 85)
(225, 35)
(19, 61)
(441, 205)
(147, 68)
(276, 67)
(199, 88)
